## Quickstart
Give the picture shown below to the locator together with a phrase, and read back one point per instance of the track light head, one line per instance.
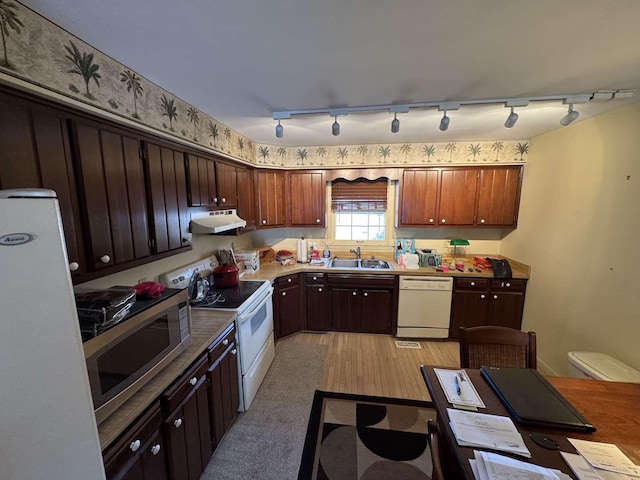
(335, 128)
(570, 116)
(279, 130)
(395, 124)
(444, 123)
(511, 119)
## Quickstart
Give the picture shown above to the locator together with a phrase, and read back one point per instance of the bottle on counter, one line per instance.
(326, 253)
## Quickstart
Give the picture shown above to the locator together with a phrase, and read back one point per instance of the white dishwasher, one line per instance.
(424, 307)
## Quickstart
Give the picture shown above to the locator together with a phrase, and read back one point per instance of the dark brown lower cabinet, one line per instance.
(140, 453)
(484, 301)
(222, 377)
(187, 426)
(363, 303)
(317, 302)
(287, 305)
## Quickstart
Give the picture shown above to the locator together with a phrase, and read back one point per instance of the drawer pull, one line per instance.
(289, 280)
(365, 294)
(507, 285)
(193, 381)
(234, 351)
(155, 449)
(473, 284)
(135, 445)
(315, 278)
(320, 289)
(354, 293)
(225, 341)
(177, 422)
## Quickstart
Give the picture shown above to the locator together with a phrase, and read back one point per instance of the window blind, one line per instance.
(360, 195)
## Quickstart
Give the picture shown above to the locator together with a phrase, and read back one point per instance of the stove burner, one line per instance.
(213, 299)
(229, 298)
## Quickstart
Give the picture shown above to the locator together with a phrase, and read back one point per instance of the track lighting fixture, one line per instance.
(444, 107)
(570, 116)
(395, 124)
(335, 128)
(511, 119)
(444, 123)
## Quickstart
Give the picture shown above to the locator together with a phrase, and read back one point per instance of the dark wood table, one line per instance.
(612, 407)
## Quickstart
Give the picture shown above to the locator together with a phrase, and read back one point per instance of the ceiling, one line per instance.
(240, 61)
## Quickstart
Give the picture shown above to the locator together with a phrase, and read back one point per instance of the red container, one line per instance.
(226, 276)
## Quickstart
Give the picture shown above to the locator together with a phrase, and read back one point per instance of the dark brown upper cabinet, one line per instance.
(270, 201)
(246, 197)
(418, 204)
(211, 183)
(457, 200)
(499, 196)
(306, 204)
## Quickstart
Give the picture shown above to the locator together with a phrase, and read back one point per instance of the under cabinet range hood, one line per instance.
(216, 222)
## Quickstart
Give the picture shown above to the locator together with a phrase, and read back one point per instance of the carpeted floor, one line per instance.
(355, 437)
(266, 442)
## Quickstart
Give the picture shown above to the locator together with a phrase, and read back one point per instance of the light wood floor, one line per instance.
(369, 364)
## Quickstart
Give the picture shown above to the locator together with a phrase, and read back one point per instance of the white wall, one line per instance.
(579, 230)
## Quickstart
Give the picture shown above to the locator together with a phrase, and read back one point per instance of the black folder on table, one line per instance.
(532, 400)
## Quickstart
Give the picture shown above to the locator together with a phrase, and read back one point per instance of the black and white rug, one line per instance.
(365, 438)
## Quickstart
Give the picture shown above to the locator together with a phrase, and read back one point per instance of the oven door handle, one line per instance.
(247, 316)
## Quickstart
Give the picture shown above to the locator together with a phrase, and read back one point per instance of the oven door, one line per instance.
(255, 328)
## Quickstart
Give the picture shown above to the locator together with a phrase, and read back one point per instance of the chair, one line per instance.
(497, 347)
(432, 437)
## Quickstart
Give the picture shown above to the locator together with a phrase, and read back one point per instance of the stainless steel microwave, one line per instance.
(124, 358)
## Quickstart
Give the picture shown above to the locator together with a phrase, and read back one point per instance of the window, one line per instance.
(360, 209)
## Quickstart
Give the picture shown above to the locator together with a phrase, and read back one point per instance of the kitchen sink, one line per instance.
(360, 264)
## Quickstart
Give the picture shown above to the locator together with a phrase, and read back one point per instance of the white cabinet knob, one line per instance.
(225, 341)
(354, 293)
(317, 220)
(284, 294)
(366, 294)
(431, 220)
(177, 422)
(215, 199)
(135, 445)
(105, 259)
(289, 280)
(444, 220)
(482, 221)
(481, 296)
(193, 381)
(507, 285)
(264, 222)
(315, 278)
(473, 284)
(224, 200)
(495, 297)
(320, 289)
(73, 266)
(155, 449)
(234, 351)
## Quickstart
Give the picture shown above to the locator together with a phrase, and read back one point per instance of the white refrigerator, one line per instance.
(47, 424)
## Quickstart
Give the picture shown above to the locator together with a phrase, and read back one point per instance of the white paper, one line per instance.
(500, 467)
(474, 429)
(579, 466)
(458, 387)
(605, 456)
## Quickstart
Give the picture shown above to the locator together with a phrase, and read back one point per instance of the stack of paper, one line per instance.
(600, 461)
(487, 431)
(458, 388)
(491, 466)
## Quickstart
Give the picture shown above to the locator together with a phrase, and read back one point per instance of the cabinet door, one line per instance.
(231, 394)
(505, 309)
(288, 310)
(498, 196)
(226, 185)
(468, 309)
(112, 182)
(317, 307)
(201, 184)
(246, 197)
(270, 198)
(167, 184)
(458, 188)
(346, 309)
(36, 154)
(419, 197)
(377, 312)
(306, 199)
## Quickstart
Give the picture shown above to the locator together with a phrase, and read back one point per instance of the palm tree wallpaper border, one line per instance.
(37, 51)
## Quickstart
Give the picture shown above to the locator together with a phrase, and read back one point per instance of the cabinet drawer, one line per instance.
(508, 284)
(315, 278)
(471, 283)
(172, 396)
(361, 281)
(131, 442)
(217, 348)
(288, 281)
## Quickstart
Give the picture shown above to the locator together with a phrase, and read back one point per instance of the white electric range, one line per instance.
(252, 303)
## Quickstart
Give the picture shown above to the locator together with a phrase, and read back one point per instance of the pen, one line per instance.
(457, 384)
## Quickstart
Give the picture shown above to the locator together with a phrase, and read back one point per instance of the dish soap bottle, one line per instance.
(326, 253)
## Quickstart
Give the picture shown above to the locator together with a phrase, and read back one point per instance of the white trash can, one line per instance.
(601, 367)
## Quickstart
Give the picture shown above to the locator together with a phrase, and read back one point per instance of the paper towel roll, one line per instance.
(302, 251)
(411, 260)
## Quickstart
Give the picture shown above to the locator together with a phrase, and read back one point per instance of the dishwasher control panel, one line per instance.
(426, 283)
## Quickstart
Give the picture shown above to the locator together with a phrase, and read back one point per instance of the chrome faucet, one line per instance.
(356, 251)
